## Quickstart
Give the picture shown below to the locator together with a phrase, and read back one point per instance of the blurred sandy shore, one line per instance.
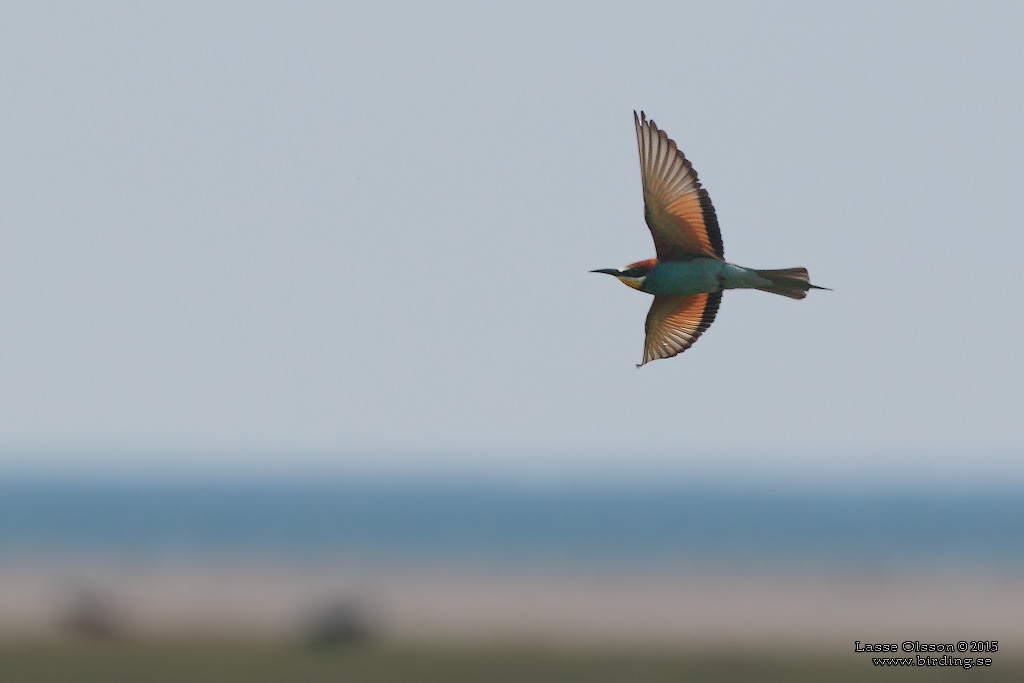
(695, 606)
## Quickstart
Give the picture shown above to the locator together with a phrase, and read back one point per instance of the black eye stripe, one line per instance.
(634, 272)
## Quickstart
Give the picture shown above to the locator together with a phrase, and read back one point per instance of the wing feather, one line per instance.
(676, 321)
(677, 209)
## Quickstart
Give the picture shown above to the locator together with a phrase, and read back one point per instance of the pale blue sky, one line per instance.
(356, 236)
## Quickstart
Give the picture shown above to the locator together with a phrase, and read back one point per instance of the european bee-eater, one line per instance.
(690, 273)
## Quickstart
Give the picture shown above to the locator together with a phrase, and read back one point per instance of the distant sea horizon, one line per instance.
(364, 520)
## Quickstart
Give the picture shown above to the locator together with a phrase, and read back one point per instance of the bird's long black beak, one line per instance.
(609, 271)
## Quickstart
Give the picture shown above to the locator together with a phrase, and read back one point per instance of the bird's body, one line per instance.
(699, 275)
(690, 272)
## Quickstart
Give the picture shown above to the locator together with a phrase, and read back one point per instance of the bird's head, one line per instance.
(634, 274)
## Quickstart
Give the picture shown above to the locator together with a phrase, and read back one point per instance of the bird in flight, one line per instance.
(690, 272)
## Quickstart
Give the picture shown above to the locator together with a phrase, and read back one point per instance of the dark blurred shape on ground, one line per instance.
(93, 615)
(342, 623)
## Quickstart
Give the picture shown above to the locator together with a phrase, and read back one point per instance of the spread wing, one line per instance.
(677, 209)
(676, 321)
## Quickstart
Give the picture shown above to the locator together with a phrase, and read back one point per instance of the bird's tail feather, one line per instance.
(791, 282)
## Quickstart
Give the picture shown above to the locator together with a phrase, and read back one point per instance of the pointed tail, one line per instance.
(791, 282)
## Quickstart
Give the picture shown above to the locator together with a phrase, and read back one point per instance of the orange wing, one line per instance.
(676, 321)
(677, 209)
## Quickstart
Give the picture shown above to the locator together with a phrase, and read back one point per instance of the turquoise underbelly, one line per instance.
(699, 275)
(684, 277)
